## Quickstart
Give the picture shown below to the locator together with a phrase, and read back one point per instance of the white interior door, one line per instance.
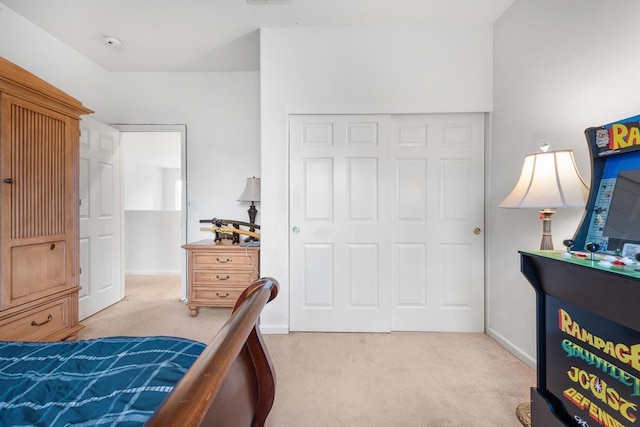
(340, 191)
(386, 217)
(438, 221)
(101, 275)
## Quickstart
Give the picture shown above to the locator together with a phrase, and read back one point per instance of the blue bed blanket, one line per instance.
(102, 382)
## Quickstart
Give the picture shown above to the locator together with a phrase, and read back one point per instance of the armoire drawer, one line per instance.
(37, 323)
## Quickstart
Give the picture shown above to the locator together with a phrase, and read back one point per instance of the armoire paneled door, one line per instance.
(387, 217)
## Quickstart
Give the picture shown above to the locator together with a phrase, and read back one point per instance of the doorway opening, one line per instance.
(154, 183)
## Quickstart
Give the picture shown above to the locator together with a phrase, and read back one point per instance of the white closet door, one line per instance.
(340, 195)
(387, 222)
(438, 223)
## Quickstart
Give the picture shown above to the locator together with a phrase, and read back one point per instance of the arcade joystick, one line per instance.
(569, 244)
(592, 247)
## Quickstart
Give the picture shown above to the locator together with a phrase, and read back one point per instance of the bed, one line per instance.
(152, 381)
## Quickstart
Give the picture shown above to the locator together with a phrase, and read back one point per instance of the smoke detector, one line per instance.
(112, 41)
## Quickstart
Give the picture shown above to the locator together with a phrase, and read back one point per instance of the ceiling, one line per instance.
(221, 35)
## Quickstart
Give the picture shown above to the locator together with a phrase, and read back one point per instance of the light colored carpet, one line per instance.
(152, 306)
(349, 379)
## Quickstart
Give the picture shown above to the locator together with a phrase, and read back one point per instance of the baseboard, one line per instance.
(526, 358)
(274, 329)
(153, 272)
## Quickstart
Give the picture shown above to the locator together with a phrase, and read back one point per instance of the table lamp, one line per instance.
(548, 180)
(251, 194)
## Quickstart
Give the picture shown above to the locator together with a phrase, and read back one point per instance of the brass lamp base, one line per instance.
(547, 242)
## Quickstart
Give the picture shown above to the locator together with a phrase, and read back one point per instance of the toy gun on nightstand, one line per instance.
(230, 228)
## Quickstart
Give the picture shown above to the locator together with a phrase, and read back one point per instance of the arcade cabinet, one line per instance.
(588, 297)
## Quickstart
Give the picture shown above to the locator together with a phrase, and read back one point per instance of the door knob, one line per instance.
(295, 230)
(477, 230)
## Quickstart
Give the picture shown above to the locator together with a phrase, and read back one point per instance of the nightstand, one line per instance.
(218, 273)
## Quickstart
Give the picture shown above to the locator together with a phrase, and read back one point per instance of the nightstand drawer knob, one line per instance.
(222, 278)
(219, 295)
(224, 261)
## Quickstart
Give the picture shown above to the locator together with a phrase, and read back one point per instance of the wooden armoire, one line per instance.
(39, 197)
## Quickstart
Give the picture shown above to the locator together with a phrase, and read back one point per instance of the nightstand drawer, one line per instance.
(227, 260)
(37, 323)
(226, 277)
(220, 296)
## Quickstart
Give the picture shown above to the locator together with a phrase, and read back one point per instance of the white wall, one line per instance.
(170, 185)
(151, 165)
(152, 242)
(354, 70)
(559, 67)
(143, 187)
(221, 113)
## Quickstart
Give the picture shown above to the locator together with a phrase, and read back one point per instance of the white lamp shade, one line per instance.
(251, 191)
(548, 180)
